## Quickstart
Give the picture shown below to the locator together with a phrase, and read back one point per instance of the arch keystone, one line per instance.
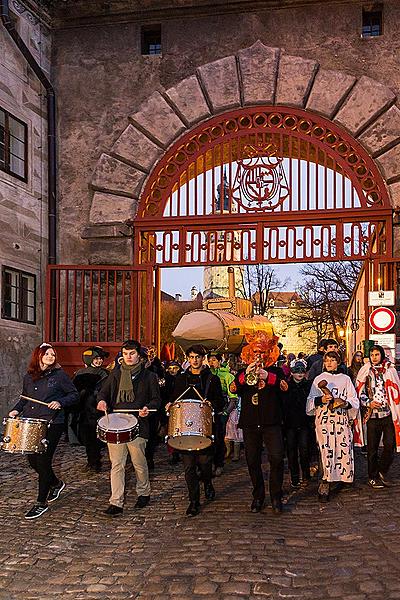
(189, 100)
(295, 78)
(366, 101)
(133, 146)
(328, 91)
(221, 83)
(113, 175)
(258, 67)
(157, 118)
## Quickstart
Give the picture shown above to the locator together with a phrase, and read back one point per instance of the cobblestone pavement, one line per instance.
(346, 549)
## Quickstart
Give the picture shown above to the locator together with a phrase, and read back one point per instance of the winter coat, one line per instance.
(294, 404)
(207, 384)
(146, 392)
(269, 410)
(53, 384)
(88, 383)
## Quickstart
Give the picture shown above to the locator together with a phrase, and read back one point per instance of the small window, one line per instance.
(372, 22)
(151, 40)
(13, 145)
(18, 296)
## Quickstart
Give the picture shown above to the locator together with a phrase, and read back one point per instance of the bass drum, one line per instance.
(190, 425)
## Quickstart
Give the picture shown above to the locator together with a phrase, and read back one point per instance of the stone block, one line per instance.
(221, 83)
(114, 175)
(367, 99)
(390, 162)
(156, 117)
(328, 90)
(383, 132)
(394, 193)
(295, 78)
(258, 67)
(109, 208)
(189, 99)
(137, 148)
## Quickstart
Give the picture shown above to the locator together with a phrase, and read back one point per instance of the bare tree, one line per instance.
(325, 293)
(259, 281)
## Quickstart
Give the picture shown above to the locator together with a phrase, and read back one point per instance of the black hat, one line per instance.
(94, 352)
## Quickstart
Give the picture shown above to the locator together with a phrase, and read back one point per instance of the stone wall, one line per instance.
(23, 212)
(119, 111)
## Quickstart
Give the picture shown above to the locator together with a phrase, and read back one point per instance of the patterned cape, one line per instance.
(392, 387)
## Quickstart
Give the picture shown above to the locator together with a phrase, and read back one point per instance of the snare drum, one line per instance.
(190, 425)
(24, 436)
(117, 428)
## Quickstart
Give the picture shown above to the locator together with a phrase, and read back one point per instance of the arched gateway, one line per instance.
(263, 184)
(259, 157)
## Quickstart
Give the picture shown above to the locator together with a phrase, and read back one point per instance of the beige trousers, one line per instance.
(118, 454)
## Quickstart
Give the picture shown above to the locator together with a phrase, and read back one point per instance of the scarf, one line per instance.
(125, 390)
(392, 387)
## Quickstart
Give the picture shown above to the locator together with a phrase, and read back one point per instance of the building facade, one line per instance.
(23, 196)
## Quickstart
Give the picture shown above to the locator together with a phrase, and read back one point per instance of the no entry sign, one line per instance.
(382, 319)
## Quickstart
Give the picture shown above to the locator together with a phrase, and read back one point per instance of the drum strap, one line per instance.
(208, 383)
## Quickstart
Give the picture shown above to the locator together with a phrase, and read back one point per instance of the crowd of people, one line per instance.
(311, 409)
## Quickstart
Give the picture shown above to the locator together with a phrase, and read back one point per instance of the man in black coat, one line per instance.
(88, 383)
(131, 386)
(261, 421)
(198, 376)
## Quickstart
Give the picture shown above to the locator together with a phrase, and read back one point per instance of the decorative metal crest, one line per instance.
(260, 182)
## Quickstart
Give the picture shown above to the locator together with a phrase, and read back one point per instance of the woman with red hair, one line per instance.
(47, 382)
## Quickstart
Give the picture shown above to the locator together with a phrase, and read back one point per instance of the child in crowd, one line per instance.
(297, 425)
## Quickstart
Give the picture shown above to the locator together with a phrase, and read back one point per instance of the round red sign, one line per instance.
(382, 319)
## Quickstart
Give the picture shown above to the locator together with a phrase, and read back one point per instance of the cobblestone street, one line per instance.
(347, 548)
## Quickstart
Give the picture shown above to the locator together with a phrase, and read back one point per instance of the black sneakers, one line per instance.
(209, 491)
(376, 484)
(386, 482)
(113, 510)
(55, 491)
(257, 505)
(36, 511)
(142, 501)
(193, 509)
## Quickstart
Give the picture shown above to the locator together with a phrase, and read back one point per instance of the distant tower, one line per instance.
(215, 279)
(193, 293)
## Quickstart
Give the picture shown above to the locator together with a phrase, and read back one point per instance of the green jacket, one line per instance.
(226, 379)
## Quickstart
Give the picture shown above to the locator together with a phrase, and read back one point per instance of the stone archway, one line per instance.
(256, 75)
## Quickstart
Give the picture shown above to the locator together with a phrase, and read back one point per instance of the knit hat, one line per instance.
(93, 352)
(298, 366)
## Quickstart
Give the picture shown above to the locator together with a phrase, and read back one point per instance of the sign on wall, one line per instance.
(382, 319)
(381, 298)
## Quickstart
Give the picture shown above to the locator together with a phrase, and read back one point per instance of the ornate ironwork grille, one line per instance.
(264, 184)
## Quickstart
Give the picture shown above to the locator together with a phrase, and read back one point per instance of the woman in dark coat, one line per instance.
(47, 382)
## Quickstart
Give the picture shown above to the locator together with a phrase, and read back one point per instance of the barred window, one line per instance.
(18, 295)
(372, 22)
(151, 39)
(13, 145)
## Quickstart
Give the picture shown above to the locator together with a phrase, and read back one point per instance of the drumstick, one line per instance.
(134, 410)
(33, 400)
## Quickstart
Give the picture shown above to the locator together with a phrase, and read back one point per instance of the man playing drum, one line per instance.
(128, 387)
(198, 376)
